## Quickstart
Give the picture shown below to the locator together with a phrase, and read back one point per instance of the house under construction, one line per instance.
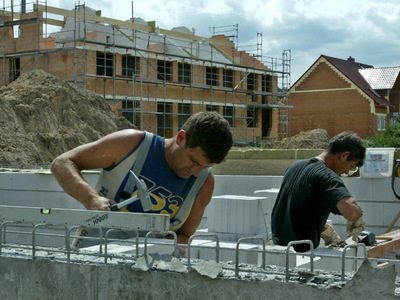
(156, 78)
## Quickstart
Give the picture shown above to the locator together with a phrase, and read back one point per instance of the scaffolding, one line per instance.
(155, 78)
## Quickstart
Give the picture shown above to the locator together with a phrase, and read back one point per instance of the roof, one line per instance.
(182, 47)
(381, 78)
(350, 68)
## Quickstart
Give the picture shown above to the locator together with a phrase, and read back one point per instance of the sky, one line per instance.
(367, 30)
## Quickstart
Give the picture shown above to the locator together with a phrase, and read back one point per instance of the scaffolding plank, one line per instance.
(79, 217)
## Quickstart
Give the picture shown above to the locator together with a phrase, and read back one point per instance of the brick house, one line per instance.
(338, 95)
(156, 78)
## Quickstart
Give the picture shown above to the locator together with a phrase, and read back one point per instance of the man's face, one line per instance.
(186, 161)
(189, 161)
(345, 166)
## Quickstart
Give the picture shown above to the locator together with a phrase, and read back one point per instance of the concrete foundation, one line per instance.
(22, 279)
(51, 278)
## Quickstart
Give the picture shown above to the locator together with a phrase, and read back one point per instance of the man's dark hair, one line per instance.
(211, 132)
(348, 141)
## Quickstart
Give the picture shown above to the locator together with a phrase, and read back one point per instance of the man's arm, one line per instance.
(103, 153)
(350, 209)
(196, 214)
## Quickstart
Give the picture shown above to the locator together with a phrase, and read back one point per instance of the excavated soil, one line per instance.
(313, 139)
(42, 116)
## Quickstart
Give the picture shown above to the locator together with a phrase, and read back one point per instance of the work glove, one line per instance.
(354, 228)
(330, 236)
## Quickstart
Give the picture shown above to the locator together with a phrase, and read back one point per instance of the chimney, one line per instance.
(351, 59)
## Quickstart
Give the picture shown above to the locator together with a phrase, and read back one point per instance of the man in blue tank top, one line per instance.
(169, 171)
(312, 189)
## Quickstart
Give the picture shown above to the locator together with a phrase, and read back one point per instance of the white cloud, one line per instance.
(364, 29)
(212, 8)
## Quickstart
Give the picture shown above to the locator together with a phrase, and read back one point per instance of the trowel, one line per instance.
(365, 237)
(350, 241)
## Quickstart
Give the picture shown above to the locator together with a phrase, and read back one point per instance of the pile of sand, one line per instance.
(42, 116)
(313, 139)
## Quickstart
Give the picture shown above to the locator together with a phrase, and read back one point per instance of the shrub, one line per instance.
(388, 138)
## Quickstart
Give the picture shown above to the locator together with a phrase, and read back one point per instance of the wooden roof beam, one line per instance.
(94, 18)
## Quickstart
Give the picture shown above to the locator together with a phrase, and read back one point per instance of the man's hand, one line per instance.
(99, 203)
(330, 236)
(354, 228)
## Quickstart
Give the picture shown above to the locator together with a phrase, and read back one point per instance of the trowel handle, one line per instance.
(114, 207)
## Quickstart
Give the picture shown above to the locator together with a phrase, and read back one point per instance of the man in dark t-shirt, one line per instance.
(312, 189)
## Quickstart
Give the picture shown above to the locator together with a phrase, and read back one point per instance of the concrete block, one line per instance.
(236, 185)
(253, 166)
(235, 154)
(228, 252)
(234, 237)
(237, 214)
(33, 181)
(6, 182)
(128, 247)
(390, 211)
(276, 256)
(38, 199)
(307, 153)
(373, 212)
(24, 181)
(332, 259)
(271, 154)
(360, 189)
(382, 190)
(268, 205)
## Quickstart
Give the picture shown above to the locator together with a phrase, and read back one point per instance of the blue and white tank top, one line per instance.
(167, 190)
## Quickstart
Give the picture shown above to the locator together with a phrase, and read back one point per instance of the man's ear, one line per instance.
(345, 155)
(180, 137)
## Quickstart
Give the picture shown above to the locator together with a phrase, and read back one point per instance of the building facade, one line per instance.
(338, 95)
(156, 78)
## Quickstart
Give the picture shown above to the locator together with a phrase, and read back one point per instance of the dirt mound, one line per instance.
(42, 116)
(313, 139)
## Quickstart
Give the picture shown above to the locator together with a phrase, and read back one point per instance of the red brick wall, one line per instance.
(325, 101)
(322, 77)
(394, 98)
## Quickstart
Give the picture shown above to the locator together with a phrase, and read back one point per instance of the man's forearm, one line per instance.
(70, 178)
(350, 209)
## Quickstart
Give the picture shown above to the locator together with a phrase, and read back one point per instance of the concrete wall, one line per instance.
(375, 195)
(37, 188)
(22, 279)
